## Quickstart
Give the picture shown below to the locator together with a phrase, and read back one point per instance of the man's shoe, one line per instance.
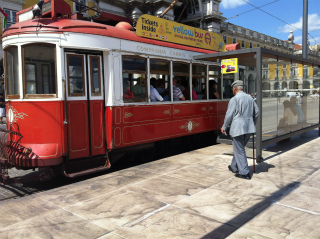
(247, 176)
(229, 167)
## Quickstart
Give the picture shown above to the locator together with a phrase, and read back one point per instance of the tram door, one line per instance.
(85, 105)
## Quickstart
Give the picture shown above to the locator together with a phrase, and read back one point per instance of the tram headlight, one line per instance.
(28, 151)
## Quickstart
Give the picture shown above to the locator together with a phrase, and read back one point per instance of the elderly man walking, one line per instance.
(241, 117)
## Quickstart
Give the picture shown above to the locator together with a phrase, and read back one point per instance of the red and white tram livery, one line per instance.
(78, 90)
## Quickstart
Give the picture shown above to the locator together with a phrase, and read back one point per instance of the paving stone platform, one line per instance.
(191, 195)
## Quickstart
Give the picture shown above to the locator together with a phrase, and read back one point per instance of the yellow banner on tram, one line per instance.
(229, 66)
(169, 31)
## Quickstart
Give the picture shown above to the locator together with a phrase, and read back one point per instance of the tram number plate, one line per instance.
(46, 7)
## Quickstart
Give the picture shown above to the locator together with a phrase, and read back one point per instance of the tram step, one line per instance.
(87, 171)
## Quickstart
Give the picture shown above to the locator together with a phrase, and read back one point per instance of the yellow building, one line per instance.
(281, 75)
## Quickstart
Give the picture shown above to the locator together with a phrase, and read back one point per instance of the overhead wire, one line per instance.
(279, 19)
(259, 8)
(252, 9)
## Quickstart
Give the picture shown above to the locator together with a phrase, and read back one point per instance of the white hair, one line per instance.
(238, 87)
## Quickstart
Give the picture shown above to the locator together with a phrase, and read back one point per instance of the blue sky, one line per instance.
(289, 11)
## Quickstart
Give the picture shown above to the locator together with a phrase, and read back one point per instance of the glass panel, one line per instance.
(76, 75)
(309, 97)
(181, 74)
(95, 76)
(134, 79)
(80, 7)
(12, 71)
(270, 104)
(46, 78)
(131, 63)
(227, 89)
(281, 89)
(159, 66)
(39, 69)
(30, 77)
(159, 80)
(214, 82)
(199, 79)
(313, 110)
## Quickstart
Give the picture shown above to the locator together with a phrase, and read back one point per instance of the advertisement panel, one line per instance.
(229, 66)
(169, 31)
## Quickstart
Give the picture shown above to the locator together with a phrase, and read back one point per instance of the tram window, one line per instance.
(160, 71)
(30, 75)
(76, 75)
(95, 75)
(12, 72)
(199, 81)
(182, 73)
(214, 82)
(134, 71)
(39, 69)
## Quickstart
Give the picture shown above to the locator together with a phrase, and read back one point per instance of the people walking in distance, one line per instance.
(241, 117)
(177, 94)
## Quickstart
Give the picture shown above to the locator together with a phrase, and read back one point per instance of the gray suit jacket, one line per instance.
(242, 115)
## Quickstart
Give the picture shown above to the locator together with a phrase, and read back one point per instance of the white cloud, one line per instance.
(313, 24)
(232, 3)
(298, 39)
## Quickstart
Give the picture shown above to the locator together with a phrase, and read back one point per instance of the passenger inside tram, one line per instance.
(177, 94)
(154, 94)
(127, 94)
(193, 92)
(213, 90)
(160, 86)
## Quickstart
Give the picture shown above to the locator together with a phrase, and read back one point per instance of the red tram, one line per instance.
(66, 91)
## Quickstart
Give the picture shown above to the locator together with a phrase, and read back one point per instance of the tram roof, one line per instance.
(46, 25)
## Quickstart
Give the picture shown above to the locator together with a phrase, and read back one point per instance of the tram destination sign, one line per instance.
(169, 31)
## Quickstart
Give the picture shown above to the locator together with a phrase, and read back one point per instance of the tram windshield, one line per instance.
(39, 70)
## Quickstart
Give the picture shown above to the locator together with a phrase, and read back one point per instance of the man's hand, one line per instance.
(222, 131)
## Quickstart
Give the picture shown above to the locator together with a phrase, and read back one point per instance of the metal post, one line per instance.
(254, 166)
(259, 103)
(305, 30)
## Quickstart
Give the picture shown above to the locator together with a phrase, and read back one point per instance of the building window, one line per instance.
(258, 45)
(284, 74)
(305, 73)
(293, 72)
(12, 17)
(225, 39)
(234, 40)
(79, 7)
(250, 44)
(265, 75)
(242, 44)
